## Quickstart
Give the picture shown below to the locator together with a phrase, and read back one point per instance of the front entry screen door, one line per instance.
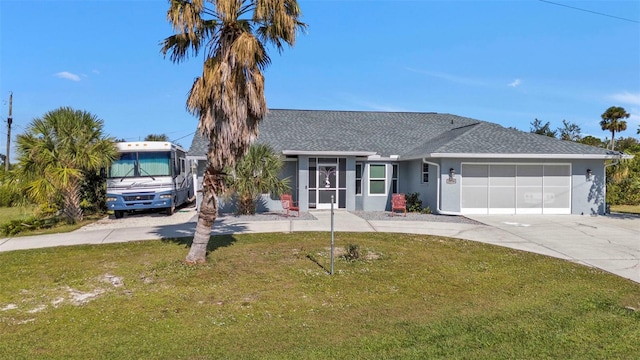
(327, 177)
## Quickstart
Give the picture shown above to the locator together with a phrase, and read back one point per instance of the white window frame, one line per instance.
(369, 179)
(423, 173)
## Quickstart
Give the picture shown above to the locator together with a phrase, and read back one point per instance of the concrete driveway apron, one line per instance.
(611, 243)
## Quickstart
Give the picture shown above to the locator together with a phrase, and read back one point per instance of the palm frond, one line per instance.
(228, 97)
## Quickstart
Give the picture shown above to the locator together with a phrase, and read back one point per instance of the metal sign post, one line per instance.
(332, 235)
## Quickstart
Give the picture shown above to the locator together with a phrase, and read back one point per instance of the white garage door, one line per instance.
(516, 189)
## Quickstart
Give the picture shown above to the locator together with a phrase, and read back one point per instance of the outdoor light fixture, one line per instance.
(589, 175)
(452, 176)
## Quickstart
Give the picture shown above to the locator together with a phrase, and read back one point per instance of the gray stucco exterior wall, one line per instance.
(303, 183)
(450, 191)
(411, 182)
(351, 181)
(587, 192)
(588, 195)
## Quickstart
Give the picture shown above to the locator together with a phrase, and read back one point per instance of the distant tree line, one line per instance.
(612, 121)
(623, 179)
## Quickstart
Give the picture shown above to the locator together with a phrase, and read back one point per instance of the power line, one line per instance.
(591, 11)
(174, 140)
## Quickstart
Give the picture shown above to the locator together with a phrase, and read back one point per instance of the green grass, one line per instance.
(629, 209)
(15, 212)
(269, 296)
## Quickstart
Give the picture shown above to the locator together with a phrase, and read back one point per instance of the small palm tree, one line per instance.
(229, 96)
(256, 174)
(611, 120)
(56, 151)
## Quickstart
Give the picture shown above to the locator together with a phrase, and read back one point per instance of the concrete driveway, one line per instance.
(610, 242)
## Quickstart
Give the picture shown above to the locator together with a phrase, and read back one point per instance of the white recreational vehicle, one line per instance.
(148, 175)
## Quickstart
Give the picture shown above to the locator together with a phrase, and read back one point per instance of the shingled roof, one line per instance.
(408, 135)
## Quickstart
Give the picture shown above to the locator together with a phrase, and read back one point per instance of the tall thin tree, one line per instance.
(228, 98)
(612, 121)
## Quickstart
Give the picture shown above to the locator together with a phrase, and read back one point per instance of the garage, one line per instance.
(516, 188)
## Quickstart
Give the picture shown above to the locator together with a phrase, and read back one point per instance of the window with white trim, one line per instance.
(425, 173)
(358, 178)
(377, 179)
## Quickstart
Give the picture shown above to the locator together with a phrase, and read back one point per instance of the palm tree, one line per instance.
(228, 98)
(611, 121)
(56, 151)
(254, 175)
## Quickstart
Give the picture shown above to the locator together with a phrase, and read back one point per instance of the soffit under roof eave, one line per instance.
(328, 153)
(529, 156)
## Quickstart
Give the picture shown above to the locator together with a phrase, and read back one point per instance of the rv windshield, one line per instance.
(136, 164)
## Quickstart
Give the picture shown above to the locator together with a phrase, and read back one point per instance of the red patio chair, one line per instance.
(398, 202)
(288, 204)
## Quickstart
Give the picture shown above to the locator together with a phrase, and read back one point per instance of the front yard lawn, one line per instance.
(269, 296)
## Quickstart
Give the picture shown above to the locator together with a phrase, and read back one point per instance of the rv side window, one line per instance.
(182, 167)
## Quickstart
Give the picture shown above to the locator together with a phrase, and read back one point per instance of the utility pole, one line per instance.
(9, 121)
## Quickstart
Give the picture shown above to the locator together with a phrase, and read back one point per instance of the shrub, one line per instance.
(353, 252)
(414, 204)
(47, 210)
(93, 193)
(17, 226)
(9, 195)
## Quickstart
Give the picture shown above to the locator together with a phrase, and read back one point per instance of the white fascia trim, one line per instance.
(382, 158)
(196, 157)
(527, 156)
(328, 153)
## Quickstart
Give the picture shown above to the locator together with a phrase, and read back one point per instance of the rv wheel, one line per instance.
(119, 214)
(171, 210)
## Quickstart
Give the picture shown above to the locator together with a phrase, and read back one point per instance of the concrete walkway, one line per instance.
(611, 243)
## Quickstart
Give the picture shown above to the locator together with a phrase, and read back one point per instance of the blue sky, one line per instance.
(506, 62)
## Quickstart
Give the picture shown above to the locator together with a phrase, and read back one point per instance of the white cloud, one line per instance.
(626, 98)
(67, 75)
(515, 83)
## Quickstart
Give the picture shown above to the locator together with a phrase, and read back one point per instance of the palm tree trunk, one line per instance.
(612, 140)
(208, 213)
(71, 205)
